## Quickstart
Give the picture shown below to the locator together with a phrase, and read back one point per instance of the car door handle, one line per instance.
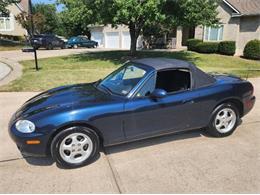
(188, 101)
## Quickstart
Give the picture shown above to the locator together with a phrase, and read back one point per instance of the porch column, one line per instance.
(179, 37)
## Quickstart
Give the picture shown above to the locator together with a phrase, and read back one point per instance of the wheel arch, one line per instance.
(73, 124)
(235, 101)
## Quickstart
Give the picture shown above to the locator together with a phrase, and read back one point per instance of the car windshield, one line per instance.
(73, 39)
(123, 80)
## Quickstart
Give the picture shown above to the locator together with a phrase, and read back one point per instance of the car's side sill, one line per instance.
(153, 136)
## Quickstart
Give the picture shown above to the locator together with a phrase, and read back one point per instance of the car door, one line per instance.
(146, 116)
(85, 42)
(54, 41)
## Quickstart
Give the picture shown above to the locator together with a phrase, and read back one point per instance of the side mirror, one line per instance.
(158, 93)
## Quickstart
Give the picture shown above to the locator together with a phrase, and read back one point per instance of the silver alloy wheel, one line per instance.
(76, 148)
(225, 120)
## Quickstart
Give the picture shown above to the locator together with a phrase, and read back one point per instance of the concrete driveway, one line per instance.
(185, 163)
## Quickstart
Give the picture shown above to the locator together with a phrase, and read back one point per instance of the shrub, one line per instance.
(252, 50)
(207, 47)
(12, 37)
(192, 43)
(227, 47)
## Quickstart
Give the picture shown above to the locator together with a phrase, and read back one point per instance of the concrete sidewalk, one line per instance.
(185, 163)
(4, 70)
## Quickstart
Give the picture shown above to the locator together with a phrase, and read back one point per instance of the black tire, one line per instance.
(212, 129)
(49, 46)
(56, 143)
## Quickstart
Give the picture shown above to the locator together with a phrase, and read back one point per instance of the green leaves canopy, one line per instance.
(51, 21)
(139, 13)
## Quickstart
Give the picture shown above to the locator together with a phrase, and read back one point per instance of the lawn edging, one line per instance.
(16, 71)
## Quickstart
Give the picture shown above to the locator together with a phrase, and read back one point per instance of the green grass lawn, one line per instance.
(93, 66)
(9, 45)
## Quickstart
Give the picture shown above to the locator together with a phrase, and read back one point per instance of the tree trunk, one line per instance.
(134, 34)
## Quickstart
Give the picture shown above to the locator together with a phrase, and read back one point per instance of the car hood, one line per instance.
(63, 97)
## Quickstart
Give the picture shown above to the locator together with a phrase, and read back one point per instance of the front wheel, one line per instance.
(49, 46)
(75, 147)
(224, 120)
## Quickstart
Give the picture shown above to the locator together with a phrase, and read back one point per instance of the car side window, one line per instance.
(173, 80)
(84, 39)
(147, 88)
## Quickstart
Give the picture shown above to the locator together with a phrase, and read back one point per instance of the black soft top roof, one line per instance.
(199, 78)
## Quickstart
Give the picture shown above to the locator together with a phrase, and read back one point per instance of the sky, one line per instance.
(59, 8)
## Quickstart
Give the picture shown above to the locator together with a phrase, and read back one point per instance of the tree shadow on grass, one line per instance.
(119, 57)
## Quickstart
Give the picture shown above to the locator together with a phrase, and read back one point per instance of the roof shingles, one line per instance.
(246, 7)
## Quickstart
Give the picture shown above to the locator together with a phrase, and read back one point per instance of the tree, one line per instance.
(25, 20)
(191, 13)
(76, 17)
(137, 14)
(48, 11)
(5, 3)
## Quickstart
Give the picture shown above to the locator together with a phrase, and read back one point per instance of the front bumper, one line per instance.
(41, 149)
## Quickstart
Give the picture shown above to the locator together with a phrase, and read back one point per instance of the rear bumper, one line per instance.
(248, 103)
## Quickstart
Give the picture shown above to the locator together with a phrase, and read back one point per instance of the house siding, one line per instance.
(17, 29)
(239, 29)
(249, 30)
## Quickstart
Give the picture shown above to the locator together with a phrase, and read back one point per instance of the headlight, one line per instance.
(25, 126)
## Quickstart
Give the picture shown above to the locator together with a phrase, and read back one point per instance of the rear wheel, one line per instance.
(75, 147)
(224, 120)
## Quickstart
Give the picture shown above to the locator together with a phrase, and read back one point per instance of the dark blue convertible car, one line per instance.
(143, 98)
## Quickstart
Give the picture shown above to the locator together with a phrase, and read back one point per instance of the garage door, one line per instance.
(126, 40)
(98, 37)
(112, 40)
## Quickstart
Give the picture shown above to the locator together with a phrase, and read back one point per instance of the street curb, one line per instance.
(16, 71)
(10, 70)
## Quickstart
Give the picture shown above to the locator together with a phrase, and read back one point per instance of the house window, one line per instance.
(213, 33)
(6, 22)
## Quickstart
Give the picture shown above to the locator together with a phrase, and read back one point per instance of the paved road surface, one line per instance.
(4, 70)
(18, 55)
(184, 163)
